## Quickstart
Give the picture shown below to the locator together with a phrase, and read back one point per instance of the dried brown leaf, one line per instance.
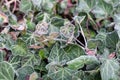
(35, 47)
(14, 35)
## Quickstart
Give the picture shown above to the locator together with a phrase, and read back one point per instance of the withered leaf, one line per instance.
(35, 47)
(4, 17)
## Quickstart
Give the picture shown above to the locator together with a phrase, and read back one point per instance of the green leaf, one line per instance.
(89, 34)
(61, 74)
(37, 3)
(6, 71)
(103, 9)
(70, 52)
(20, 48)
(53, 29)
(101, 36)
(58, 22)
(5, 39)
(116, 18)
(87, 75)
(113, 2)
(2, 54)
(39, 17)
(94, 43)
(91, 3)
(86, 5)
(24, 72)
(13, 19)
(31, 60)
(79, 62)
(30, 26)
(117, 28)
(107, 8)
(47, 5)
(55, 53)
(109, 70)
(111, 40)
(45, 77)
(42, 53)
(15, 60)
(118, 47)
(25, 6)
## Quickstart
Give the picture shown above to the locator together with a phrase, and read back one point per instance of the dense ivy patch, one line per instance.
(59, 39)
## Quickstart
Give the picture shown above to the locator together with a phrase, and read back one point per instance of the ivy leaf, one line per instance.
(117, 18)
(109, 70)
(42, 53)
(117, 28)
(31, 26)
(79, 62)
(55, 53)
(91, 3)
(39, 17)
(101, 36)
(61, 74)
(116, 21)
(118, 47)
(20, 48)
(103, 9)
(25, 6)
(65, 54)
(53, 29)
(72, 51)
(107, 8)
(15, 60)
(58, 22)
(94, 43)
(92, 75)
(48, 5)
(6, 40)
(37, 3)
(111, 40)
(31, 60)
(6, 71)
(24, 72)
(67, 30)
(2, 54)
(86, 5)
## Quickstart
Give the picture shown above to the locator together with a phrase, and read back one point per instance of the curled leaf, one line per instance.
(5, 30)
(14, 35)
(90, 52)
(20, 26)
(3, 17)
(112, 55)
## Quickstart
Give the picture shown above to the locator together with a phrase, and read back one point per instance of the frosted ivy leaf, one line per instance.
(41, 28)
(37, 3)
(67, 30)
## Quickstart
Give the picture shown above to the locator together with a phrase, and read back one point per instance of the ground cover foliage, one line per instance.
(59, 39)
